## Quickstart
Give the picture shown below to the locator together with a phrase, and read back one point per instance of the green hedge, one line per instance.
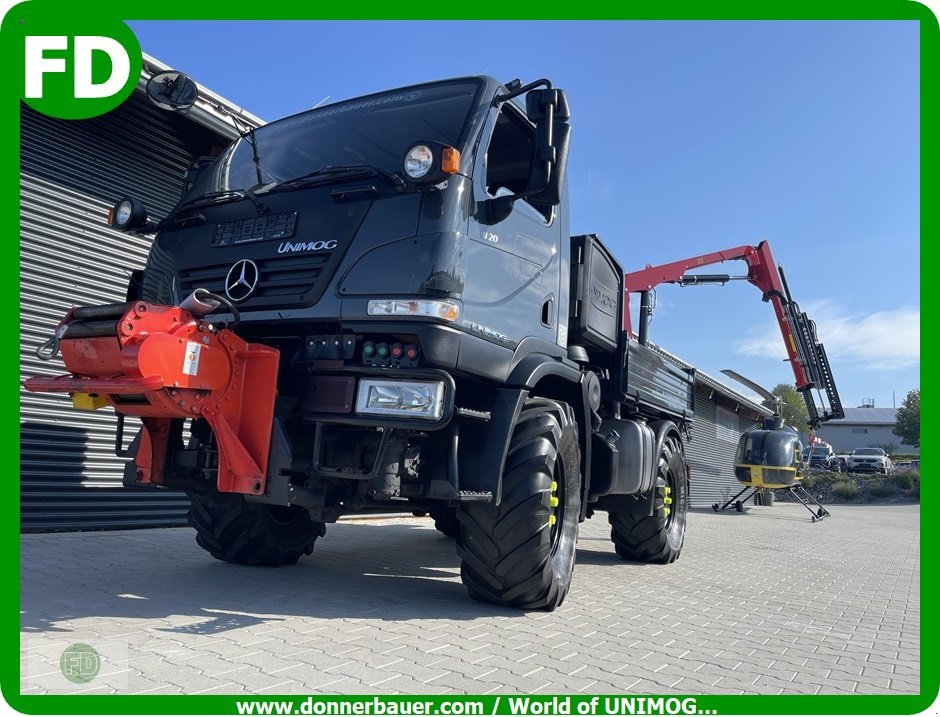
(861, 488)
(846, 491)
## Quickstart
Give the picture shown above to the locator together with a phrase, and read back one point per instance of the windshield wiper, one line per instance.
(332, 172)
(224, 196)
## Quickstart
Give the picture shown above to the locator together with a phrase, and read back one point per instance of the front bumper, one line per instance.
(867, 468)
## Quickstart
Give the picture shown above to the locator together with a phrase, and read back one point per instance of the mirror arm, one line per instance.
(499, 99)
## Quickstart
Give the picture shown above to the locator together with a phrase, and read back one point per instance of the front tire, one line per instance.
(521, 553)
(657, 538)
(235, 530)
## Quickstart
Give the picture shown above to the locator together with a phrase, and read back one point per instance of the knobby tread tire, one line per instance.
(235, 530)
(510, 553)
(445, 520)
(653, 539)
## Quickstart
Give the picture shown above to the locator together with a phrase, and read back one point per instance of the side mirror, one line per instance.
(537, 103)
(172, 91)
(548, 109)
(555, 184)
(493, 211)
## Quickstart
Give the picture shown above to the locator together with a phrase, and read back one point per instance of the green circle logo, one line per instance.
(72, 66)
(80, 663)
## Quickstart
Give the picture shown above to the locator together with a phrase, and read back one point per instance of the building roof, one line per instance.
(211, 110)
(867, 417)
(713, 383)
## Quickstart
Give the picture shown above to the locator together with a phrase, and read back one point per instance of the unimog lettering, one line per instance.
(287, 247)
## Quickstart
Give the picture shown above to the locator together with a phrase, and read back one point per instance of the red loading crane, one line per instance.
(805, 353)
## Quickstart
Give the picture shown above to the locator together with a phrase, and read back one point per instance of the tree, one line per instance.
(907, 426)
(889, 448)
(792, 406)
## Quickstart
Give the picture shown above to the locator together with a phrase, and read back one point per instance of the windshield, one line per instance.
(775, 449)
(374, 130)
(820, 451)
(868, 452)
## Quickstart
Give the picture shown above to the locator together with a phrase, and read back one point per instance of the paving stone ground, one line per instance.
(762, 602)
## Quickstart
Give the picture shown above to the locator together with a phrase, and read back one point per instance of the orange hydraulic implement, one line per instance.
(805, 352)
(160, 363)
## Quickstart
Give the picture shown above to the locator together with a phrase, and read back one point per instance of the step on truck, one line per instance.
(376, 306)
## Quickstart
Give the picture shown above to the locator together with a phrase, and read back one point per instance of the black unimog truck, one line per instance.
(438, 342)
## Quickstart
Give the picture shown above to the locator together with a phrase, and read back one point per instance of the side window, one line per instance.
(508, 159)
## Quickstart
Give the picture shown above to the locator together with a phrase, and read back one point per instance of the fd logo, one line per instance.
(73, 66)
(40, 61)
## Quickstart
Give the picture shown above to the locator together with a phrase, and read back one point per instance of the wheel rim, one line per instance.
(556, 502)
(669, 496)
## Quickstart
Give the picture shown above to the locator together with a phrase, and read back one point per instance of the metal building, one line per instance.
(865, 427)
(72, 173)
(721, 416)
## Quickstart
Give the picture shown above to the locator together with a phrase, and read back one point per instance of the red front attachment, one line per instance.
(161, 363)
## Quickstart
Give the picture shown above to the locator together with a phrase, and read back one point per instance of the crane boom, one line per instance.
(805, 353)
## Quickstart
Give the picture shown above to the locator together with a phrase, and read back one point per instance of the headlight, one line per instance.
(446, 310)
(127, 214)
(430, 163)
(418, 161)
(409, 399)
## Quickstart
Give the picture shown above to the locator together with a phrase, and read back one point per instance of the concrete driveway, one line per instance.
(762, 602)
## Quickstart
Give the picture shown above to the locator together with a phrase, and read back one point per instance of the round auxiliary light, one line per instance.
(418, 161)
(128, 213)
(122, 213)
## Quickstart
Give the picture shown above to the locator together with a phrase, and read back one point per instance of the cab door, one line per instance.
(515, 267)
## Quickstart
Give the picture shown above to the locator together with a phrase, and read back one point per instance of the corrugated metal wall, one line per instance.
(710, 452)
(72, 173)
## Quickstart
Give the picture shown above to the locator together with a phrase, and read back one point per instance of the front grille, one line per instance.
(284, 281)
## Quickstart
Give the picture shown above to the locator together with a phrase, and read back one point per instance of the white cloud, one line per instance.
(883, 340)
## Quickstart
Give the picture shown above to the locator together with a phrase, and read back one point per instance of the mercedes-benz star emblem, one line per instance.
(241, 280)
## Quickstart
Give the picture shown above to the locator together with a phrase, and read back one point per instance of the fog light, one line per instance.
(412, 399)
(446, 310)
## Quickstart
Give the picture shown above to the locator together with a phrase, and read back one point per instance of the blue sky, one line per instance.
(688, 137)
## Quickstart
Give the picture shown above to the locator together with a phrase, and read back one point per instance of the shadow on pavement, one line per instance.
(391, 571)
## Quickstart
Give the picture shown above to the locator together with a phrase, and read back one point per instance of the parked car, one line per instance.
(870, 460)
(822, 457)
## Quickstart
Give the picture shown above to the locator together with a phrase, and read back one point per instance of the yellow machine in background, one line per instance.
(770, 458)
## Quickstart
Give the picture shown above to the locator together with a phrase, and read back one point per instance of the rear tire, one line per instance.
(235, 530)
(515, 553)
(657, 538)
(445, 520)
